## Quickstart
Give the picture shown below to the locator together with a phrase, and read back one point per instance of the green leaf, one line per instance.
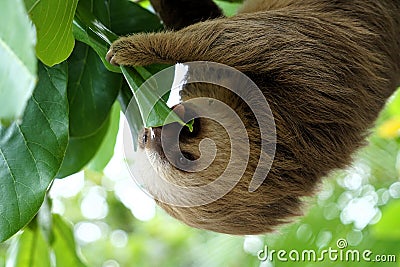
(18, 61)
(229, 7)
(95, 18)
(163, 83)
(64, 244)
(133, 117)
(31, 248)
(152, 106)
(92, 90)
(89, 30)
(81, 150)
(53, 21)
(31, 153)
(106, 150)
(389, 226)
(128, 17)
(230, 1)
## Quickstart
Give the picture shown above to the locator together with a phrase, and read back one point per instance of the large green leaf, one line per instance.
(31, 153)
(106, 149)
(128, 17)
(152, 106)
(90, 30)
(53, 21)
(81, 150)
(18, 61)
(95, 18)
(133, 117)
(31, 249)
(92, 90)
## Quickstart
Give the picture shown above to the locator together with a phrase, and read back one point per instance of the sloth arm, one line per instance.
(263, 42)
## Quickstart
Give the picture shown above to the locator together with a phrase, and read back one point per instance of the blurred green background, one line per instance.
(116, 224)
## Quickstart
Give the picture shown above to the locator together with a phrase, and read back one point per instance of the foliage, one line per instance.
(16, 52)
(68, 115)
(69, 120)
(28, 164)
(35, 246)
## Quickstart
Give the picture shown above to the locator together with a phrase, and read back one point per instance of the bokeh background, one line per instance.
(116, 224)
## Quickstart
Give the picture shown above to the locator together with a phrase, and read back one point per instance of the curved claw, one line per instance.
(110, 57)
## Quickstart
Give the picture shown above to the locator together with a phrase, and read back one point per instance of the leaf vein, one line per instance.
(47, 119)
(14, 180)
(30, 152)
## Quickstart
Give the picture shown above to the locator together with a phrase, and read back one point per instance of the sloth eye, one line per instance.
(144, 138)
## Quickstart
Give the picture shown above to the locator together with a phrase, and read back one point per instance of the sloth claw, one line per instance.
(110, 57)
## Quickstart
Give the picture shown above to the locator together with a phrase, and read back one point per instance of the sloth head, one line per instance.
(211, 168)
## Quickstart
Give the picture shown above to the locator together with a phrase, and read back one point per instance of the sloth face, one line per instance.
(190, 158)
(197, 160)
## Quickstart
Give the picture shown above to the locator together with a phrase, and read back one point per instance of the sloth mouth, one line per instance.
(171, 131)
(166, 141)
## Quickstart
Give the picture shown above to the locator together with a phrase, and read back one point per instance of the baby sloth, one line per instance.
(326, 69)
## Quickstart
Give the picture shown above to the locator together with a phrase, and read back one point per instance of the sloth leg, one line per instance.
(177, 14)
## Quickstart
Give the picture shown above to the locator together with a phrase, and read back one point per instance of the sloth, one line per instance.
(326, 69)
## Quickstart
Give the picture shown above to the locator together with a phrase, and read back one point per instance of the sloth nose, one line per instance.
(150, 137)
(144, 137)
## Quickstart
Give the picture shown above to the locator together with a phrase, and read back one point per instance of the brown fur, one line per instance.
(326, 68)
